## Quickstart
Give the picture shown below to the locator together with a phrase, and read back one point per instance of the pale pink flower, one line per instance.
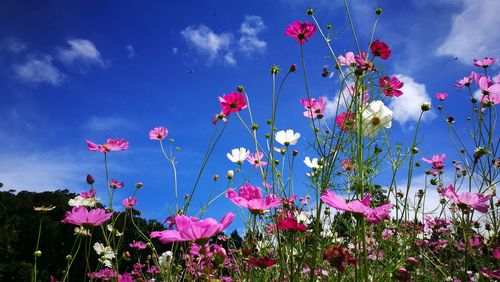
(436, 161)
(476, 201)
(391, 86)
(129, 202)
(487, 86)
(347, 165)
(193, 229)
(372, 215)
(250, 197)
(82, 217)
(348, 60)
(115, 184)
(484, 63)
(466, 81)
(314, 108)
(139, 245)
(255, 159)
(110, 145)
(300, 31)
(158, 133)
(441, 96)
(232, 103)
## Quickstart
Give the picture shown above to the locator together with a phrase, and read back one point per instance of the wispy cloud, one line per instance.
(406, 108)
(250, 29)
(80, 53)
(13, 45)
(472, 32)
(38, 69)
(107, 123)
(130, 51)
(207, 42)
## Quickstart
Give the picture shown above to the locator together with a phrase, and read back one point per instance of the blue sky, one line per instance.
(76, 70)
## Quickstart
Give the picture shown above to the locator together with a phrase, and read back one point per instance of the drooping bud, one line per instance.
(90, 179)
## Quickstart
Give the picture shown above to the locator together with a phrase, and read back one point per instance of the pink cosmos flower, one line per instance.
(466, 81)
(232, 103)
(348, 60)
(193, 229)
(104, 274)
(125, 277)
(484, 63)
(347, 165)
(158, 133)
(300, 31)
(89, 194)
(82, 217)
(256, 159)
(391, 86)
(487, 86)
(288, 222)
(129, 202)
(436, 161)
(441, 96)
(139, 245)
(115, 184)
(218, 117)
(380, 49)
(250, 197)
(314, 108)
(372, 215)
(345, 121)
(364, 64)
(110, 145)
(476, 201)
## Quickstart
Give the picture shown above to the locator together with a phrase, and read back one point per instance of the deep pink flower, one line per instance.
(300, 31)
(496, 253)
(314, 108)
(250, 197)
(372, 215)
(441, 96)
(436, 161)
(105, 274)
(193, 229)
(115, 184)
(484, 63)
(125, 277)
(263, 262)
(345, 121)
(391, 86)
(493, 274)
(288, 222)
(110, 145)
(476, 201)
(89, 194)
(348, 60)
(81, 216)
(129, 202)
(380, 49)
(138, 245)
(158, 133)
(364, 64)
(232, 103)
(256, 159)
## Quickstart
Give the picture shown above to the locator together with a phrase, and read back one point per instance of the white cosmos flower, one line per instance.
(238, 155)
(165, 258)
(312, 164)
(287, 138)
(375, 116)
(79, 201)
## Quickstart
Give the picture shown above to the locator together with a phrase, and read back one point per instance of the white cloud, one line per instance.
(13, 45)
(130, 51)
(207, 42)
(406, 108)
(250, 29)
(472, 33)
(107, 123)
(175, 50)
(39, 69)
(229, 59)
(80, 51)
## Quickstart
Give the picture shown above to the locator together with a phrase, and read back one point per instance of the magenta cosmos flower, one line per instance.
(436, 161)
(380, 49)
(82, 217)
(250, 197)
(391, 86)
(115, 184)
(345, 121)
(476, 201)
(139, 245)
(314, 108)
(193, 229)
(441, 96)
(300, 31)
(110, 145)
(372, 215)
(484, 63)
(232, 103)
(129, 202)
(158, 133)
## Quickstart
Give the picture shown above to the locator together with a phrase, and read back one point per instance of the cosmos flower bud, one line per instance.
(379, 11)
(295, 153)
(230, 174)
(451, 119)
(138, 185)
(69, 257)
(414, 150)
(37, 253)
(293, 68)
(275, 69)
(240, 88)
(186, 196)
(310, 12)
(329, 26)
(216, 177)
(425, 106)
(433, 181)
(90, 179)
(254, 126)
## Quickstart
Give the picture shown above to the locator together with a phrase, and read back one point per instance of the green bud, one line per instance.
(37, 253)
(379, 11)
(425, 106)
(255, 126)
(310, 12)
